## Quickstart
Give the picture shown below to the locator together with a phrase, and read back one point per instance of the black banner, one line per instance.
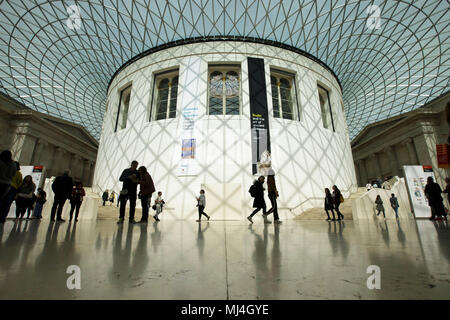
(259, 114)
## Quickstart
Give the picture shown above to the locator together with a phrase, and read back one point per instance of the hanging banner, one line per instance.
(259, 116)
(188, 163)
(442, 151)
(416, 179)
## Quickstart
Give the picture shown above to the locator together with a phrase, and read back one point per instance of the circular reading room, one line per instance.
(216, 115)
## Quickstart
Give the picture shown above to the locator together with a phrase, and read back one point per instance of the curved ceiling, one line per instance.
(57, 57)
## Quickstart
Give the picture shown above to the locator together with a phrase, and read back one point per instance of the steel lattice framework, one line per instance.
(58, 57)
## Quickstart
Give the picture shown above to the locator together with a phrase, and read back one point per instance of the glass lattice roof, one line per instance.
(55, 63)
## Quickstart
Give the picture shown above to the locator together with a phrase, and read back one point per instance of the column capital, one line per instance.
(42, 142)
(60, 149)
(408, 141)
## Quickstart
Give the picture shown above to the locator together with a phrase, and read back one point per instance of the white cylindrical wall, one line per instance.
(306, 157)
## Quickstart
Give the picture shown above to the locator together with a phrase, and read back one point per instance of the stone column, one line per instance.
(55, 167)
(91, 173)
(76, 166)
(37, 154)
(358, 171)
(86, 172)
(362, 174)
(22, 148)
(377, 165)
(363, 171)
(390, 150)
(411, 151)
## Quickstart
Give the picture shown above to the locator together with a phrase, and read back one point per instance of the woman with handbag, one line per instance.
(329, 204)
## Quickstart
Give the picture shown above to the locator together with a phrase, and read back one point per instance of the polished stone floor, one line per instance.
(225, 260)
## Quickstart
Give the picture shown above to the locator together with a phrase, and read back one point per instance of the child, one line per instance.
(112, 197)
(380, 207)
(159, 202)
(201, 204)
(40, 200)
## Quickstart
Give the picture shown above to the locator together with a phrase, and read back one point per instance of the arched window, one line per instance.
(166, 86)
(224, 91)
(325, 108)
(283, 96)
(163, 98)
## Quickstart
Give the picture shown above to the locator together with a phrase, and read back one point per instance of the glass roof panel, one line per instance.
(393, 68)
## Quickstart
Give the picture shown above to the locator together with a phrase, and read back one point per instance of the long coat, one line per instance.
(259, 201)
(379, 204)
(328, 202)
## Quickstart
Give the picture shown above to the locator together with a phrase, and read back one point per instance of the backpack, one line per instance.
(252, 191)
(341, 198)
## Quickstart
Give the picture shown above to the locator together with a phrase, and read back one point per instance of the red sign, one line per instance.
(442, 151)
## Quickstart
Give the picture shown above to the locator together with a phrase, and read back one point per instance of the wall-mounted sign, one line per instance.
(416, 179)
(442, 151)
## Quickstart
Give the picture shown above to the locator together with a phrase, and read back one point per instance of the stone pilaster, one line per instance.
(56, 167)
(38, 150)
(377, 165)
(390, 150)
(76, 164)
(86, 172)
(409, 142)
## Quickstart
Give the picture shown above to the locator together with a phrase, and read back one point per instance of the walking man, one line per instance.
(62, 188)
(394, 204)
(257, 192)
(273, 195)
(130, 178)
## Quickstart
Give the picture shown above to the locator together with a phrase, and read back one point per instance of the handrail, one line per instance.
(313, 198)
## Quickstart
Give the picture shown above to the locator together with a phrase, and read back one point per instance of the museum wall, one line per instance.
(305, 156)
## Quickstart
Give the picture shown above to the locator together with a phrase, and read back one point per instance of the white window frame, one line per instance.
(291, 78)
(158, 77)
(120, 111)
(330, 110)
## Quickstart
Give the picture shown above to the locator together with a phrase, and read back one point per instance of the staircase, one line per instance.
(345, 208)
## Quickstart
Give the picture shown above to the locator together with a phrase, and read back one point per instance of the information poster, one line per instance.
(416, 179)
(442, 151)
(188, 163)
(259, 120)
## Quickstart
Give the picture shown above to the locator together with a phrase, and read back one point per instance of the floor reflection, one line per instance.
(219, 260)
(339, 244)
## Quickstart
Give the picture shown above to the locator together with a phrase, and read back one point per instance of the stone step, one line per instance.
(345, 208)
